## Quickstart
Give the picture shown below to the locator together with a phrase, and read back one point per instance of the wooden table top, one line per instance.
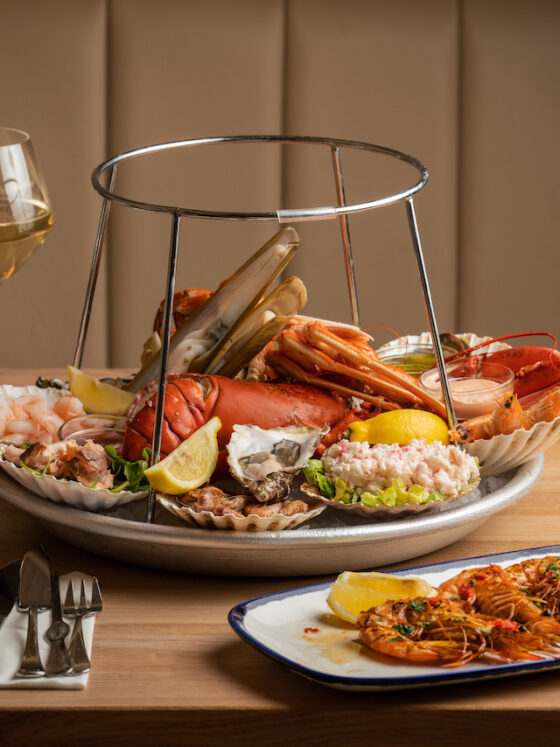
(167, 668)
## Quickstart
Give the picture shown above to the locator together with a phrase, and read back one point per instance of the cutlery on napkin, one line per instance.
(14, 633)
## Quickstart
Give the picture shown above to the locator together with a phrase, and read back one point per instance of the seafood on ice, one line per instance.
(34, 417)
(510, 612)
(87, 463)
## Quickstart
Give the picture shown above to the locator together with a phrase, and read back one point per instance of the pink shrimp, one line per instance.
(68, 407)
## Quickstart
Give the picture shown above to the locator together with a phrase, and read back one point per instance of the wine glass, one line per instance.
(25, 212)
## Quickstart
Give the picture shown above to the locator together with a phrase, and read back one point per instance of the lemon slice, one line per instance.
(353, 593)
(96, 396)
(190, 465)
(400, 427)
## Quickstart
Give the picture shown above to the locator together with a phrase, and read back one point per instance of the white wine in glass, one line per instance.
(25, 212)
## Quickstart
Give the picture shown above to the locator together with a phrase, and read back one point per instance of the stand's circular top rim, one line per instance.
(283, 216)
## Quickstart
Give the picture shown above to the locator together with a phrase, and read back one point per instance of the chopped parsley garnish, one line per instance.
(417, 606)
(403, 628)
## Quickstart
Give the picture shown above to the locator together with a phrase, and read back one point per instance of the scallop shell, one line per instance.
(384, 512)
(265, 460)
(72, 493)
(503, 452)
(251, 523)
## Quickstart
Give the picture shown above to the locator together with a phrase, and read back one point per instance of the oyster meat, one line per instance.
(266, 460)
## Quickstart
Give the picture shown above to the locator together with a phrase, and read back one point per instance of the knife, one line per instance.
(34, 594)
(59, 661)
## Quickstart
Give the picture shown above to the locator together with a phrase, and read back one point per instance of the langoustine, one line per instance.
(510, 415)
(435, 631)
(494, 590)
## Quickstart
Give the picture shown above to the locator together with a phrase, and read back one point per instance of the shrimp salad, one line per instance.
(31, 417)
(392, 475)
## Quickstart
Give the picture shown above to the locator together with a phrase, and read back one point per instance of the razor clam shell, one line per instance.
(385, 512)
(506, 451)
(253, 331)
(203, 334)
(251, 523)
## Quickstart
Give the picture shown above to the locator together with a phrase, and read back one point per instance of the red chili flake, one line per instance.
(464, 591)
(434, 601)
(311, 630)
(343, 446)
(506, 653)
(481, 576)
(506, 625)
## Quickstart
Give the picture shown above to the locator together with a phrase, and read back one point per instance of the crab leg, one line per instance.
(285, 365)
(320, 337)
(307, 356)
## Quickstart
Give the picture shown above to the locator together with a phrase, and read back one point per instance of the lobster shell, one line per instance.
(193, 399)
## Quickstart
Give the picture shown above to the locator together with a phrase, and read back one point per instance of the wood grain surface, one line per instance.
(167, 668)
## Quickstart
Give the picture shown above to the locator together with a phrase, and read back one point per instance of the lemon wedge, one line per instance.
(190, 465)
(97, 396)
(400, 427)
(353, 593)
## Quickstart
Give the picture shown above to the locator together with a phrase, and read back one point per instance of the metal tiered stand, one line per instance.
(341, 211)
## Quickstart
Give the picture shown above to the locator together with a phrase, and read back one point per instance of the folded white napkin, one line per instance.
(13, 635)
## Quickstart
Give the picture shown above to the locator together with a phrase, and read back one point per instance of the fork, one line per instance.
(76, 647)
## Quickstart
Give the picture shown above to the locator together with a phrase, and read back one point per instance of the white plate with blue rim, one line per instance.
(297, 629)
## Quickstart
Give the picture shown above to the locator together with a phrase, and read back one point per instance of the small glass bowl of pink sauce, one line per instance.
(476, 388)
(102, 429)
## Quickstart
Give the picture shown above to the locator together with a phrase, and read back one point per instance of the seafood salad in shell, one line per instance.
(264, 463)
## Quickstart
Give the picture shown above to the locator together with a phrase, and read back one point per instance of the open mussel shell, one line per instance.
(251, 523)
(406, 510)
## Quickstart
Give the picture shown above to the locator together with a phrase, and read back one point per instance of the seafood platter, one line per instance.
(440, 624)
(251, 428)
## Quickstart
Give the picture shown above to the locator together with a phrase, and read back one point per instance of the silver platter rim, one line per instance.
(523, 479)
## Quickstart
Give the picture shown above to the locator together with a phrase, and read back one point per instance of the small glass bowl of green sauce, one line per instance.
(414, 358)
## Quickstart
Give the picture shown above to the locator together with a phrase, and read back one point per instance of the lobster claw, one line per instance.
(201, 338)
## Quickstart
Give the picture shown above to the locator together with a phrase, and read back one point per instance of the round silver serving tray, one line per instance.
(327, 545)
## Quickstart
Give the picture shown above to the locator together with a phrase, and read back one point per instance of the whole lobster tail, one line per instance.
(192, 399)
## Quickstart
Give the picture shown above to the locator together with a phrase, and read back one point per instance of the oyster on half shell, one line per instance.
(266, 460)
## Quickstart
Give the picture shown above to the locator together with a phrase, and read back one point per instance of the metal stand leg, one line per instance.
(94, 272)
(430, 310)
(166, 334)
(351, 279)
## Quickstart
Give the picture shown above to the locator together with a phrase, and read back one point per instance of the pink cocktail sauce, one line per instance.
(471, 397)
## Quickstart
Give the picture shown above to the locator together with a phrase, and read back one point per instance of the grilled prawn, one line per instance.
(435, 631)
(492, 590)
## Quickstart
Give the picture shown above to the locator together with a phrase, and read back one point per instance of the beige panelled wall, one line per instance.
(510, 188)
(53, 58)
(470, 87)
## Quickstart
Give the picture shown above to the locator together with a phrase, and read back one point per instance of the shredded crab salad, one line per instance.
(392, 475)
